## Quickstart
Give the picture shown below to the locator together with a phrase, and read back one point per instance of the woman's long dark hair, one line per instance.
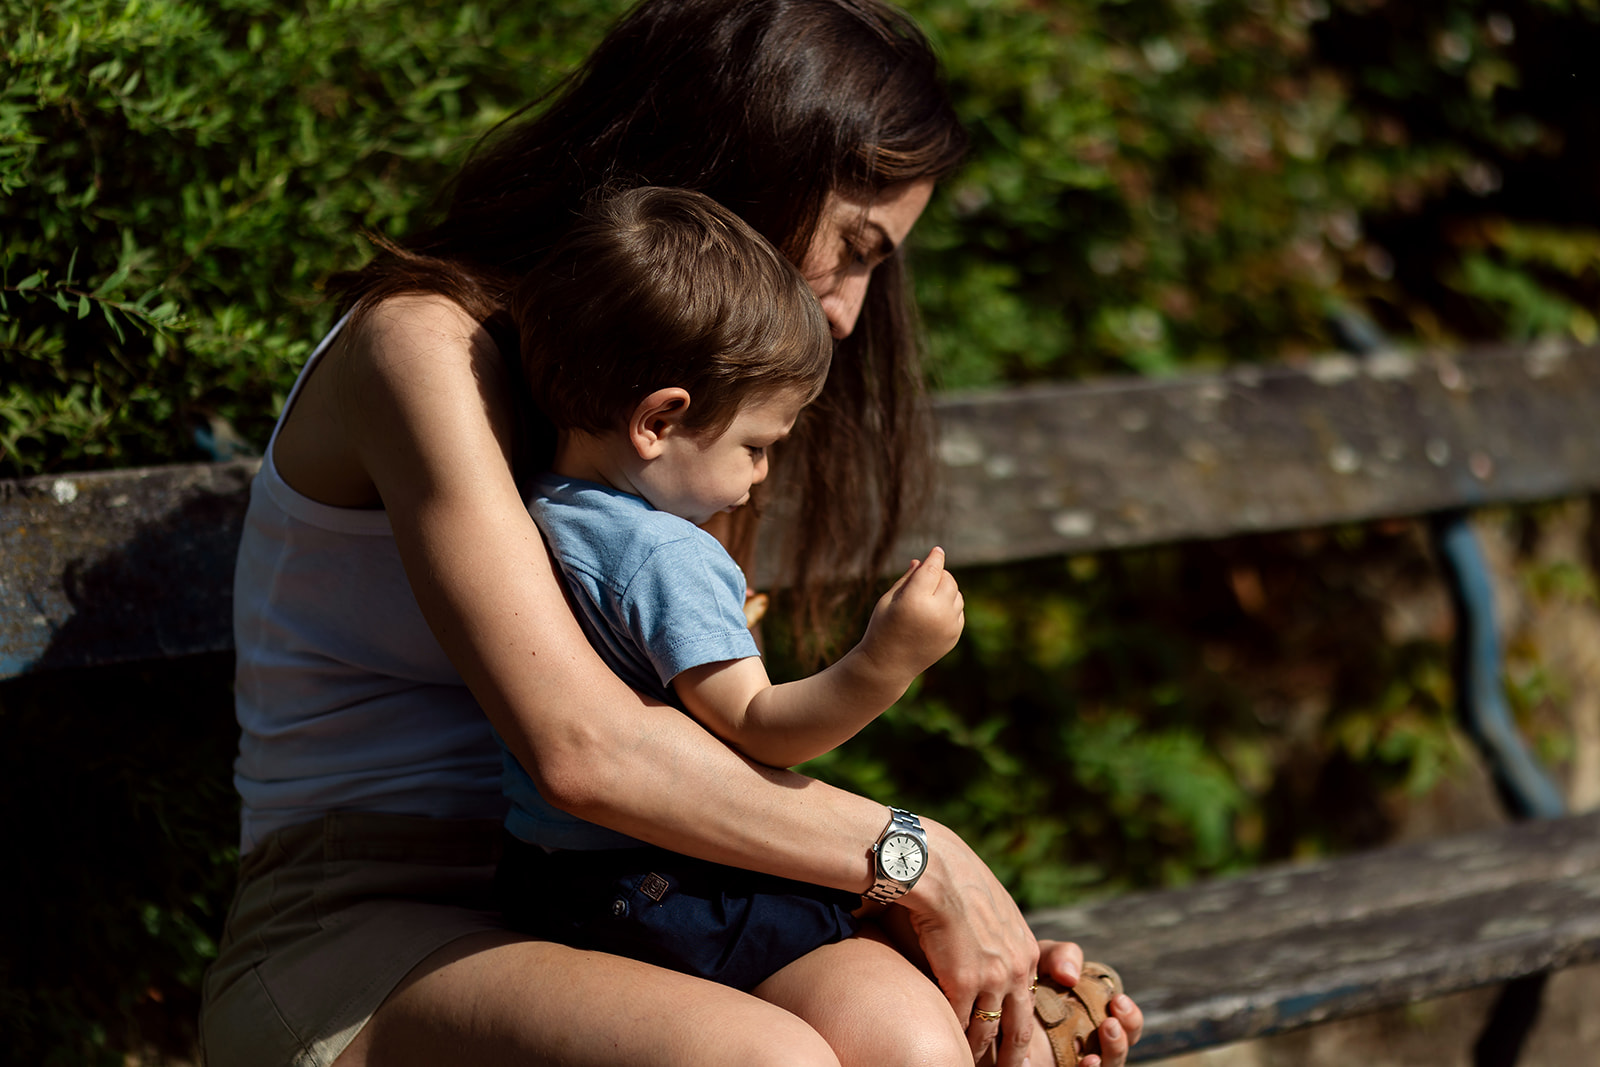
(767, 106)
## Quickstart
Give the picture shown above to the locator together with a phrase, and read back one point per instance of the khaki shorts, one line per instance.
(327, 919)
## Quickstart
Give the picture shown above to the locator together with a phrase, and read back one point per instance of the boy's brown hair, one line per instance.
(653, 288)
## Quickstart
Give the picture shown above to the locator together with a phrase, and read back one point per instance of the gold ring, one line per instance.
(1033, 986)
(986, 1016)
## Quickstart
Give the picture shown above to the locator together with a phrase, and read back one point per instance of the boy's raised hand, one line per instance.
(917, 621)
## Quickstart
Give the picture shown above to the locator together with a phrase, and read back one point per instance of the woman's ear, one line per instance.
(655, 418)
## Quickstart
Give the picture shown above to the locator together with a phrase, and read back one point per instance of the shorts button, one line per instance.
(619, 908)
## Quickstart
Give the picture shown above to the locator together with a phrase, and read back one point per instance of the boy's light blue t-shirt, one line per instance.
(655, 595)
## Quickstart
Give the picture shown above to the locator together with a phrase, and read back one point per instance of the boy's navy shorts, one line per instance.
(730, 925)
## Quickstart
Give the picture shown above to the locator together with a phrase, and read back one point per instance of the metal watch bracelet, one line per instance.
(885, 887)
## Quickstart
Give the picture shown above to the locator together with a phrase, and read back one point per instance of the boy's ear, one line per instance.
(655, 418)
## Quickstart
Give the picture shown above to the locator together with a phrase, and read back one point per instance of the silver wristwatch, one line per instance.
(899, 857)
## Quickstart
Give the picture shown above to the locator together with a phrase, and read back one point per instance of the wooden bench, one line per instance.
(135, 565)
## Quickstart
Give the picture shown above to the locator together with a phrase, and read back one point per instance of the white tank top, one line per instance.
(345, 701)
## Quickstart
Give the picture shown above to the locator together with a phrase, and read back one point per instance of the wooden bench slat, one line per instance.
(118, 566)
(1028, 472)
(1288, 946)
(1072, 468)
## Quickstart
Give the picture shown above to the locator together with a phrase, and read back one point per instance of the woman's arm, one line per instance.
(420, 403)
(421, 410)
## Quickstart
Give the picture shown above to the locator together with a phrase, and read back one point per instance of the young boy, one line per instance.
(672, 347)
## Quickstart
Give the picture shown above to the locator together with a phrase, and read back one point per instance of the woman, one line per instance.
(392, 591)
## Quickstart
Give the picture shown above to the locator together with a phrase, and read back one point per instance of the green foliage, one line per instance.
(179, 177)
(1526, 273)
(1162, 184)
(1150, 717)
(1154, 184)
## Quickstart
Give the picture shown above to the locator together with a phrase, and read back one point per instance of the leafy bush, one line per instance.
(1160, 185)
(1147, 717)
(181, 176)
(1154, 185)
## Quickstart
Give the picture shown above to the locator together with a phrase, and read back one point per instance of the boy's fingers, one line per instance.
(929, 575)
(899, 583)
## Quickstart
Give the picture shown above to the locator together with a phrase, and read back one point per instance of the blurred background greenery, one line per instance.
(1155, 186)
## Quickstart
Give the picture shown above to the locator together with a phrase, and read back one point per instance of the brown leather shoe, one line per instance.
(1071, 1017)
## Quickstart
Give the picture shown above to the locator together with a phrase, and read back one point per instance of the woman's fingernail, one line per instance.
(1123, 1003)
(1111, 1028)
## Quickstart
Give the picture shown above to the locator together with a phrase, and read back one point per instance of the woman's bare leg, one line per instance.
(874, 1007)
(496, 998)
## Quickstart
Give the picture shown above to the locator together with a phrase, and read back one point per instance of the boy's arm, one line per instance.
(917, 621)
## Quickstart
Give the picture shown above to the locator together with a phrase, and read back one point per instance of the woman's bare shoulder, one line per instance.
(421, 358)
(424, 395)
(414, 377)
(401, 331)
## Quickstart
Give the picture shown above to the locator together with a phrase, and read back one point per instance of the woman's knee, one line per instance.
(786, 1043)
(872, 1006)
(921, 1034)
(503, 1000)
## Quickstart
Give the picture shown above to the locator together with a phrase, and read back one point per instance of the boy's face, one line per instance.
(697, 476)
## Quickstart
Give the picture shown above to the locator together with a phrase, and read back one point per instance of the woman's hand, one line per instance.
(1063, 961)
(977, 945)
(984, 956)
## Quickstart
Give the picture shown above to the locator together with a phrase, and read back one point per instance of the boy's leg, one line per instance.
(871, 1005)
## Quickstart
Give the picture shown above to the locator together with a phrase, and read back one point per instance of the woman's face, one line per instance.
(853, 237)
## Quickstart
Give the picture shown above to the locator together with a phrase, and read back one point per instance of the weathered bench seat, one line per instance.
(1293, 945)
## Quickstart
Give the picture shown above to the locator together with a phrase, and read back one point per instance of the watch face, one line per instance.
(901, 856)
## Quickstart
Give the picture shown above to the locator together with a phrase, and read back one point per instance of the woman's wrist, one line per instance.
(931, 893)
